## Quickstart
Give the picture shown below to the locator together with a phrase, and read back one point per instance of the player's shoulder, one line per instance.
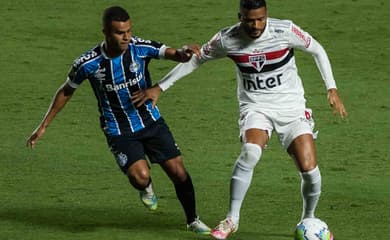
(88, 56)
(278, 26)
(138, 41)
(230, 31)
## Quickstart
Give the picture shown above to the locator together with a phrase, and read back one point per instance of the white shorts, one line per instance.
(288, 125)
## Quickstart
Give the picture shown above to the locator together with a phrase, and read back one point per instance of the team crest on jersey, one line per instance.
(257, 61)
(134, 66)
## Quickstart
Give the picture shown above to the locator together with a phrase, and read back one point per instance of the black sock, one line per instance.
(186, 194)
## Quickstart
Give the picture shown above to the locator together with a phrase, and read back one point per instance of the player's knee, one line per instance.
(179, 176)
(250, 155)
(313, 176)
(138, 177)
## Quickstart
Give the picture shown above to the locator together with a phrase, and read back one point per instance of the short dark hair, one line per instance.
(114, 13)
(252, 4)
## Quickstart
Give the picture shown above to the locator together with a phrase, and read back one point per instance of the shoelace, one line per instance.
(227, 224)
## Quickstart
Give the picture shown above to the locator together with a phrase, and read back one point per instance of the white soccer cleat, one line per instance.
(224, 229)
(199, 227)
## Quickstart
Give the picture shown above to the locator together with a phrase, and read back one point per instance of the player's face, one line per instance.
(253, 21)
(118, 36)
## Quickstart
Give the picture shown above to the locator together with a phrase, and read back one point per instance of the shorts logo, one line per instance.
(177, 146)
(307, 115)
(121, 158)
(257, 61)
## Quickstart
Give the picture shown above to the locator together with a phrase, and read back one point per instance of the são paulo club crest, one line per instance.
(257, 61)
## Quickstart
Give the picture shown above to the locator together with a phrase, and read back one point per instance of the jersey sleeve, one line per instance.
(298, 38)
(149, 48)
(77, 74)
(302, 40)
(213, 49)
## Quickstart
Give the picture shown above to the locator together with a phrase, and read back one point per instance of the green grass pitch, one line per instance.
(69, 186)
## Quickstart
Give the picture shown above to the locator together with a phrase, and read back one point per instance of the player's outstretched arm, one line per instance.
(336, 103)
(324, 66)
(63, 94)
(186, 54)
(183, 54)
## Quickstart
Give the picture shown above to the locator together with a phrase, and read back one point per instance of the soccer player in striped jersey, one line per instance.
(271, 98)
(116, 69)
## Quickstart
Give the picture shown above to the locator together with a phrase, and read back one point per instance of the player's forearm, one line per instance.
(323, 64)
(59, 101)
(181, 70)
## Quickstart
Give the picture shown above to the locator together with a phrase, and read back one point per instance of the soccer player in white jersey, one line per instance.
(271, 98)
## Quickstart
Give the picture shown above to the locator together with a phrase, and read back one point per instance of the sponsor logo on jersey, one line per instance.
(302, 36)
(128, 83)
(140, 40)
(262, 84)
(86, 57)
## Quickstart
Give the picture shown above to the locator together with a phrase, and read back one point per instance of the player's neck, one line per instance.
(111, 52)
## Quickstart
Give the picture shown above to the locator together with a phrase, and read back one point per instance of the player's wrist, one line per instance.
(158, 87)
(332, 90)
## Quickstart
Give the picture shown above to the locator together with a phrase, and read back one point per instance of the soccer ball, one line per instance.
(312, 229)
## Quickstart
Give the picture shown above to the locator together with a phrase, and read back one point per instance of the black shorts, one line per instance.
(155, 141)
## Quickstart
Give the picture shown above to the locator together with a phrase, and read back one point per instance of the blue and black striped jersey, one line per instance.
(114, 80)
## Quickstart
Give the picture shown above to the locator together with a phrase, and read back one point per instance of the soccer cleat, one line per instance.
(148, 198)
(199, 227)
(224, 229)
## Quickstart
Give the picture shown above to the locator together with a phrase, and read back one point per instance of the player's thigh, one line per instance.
(129, 154)
(255, 127)
(161, 146)
(296, 136)
(175, 169)
(302, 150)
(290, 126)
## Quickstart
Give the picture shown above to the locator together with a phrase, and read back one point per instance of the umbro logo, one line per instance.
(100, 74)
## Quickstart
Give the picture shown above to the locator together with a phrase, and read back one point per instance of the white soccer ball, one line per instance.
(312, 229)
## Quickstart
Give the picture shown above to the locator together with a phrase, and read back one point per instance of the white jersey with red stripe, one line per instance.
(267, 75)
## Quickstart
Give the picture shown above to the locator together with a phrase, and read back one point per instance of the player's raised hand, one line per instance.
(192, 49)
(183, 54)
(141, 96)
(336, 103)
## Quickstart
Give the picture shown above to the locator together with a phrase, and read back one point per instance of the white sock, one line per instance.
(242, 177)
(149, 190)
(311, 191)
